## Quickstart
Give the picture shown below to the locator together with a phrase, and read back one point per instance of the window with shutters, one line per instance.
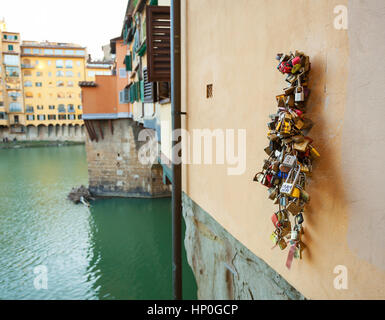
(158, 43)
(148, 88)
(164, 92)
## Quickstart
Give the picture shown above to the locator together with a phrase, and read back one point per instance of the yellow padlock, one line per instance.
(314, 152)
(296, 193)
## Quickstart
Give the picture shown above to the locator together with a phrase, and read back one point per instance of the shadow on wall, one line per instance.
(325, 186)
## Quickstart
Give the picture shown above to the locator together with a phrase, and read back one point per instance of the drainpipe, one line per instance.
(176, 165)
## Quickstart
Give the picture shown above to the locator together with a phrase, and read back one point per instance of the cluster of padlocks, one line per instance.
(290, 154)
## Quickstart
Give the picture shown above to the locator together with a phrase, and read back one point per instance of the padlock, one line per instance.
(290, 183)
(282, 244)
(305, 197)
(289, 91)
(298, 138)
(296, 68)
(301, 146)
(294, 207)
(296, 60)
(274, 238)
(288, 163)
(299, 218)
(273, 193)
(299, 92)
(314, 152)
(275, 218)
(294, 235)
(296, 193)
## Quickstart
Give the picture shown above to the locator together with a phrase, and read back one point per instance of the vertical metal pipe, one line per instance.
(176, 166)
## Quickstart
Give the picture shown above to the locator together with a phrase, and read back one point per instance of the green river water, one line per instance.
(117, 249)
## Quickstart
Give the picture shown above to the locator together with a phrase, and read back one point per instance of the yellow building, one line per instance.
(51, 72)
(11, 91)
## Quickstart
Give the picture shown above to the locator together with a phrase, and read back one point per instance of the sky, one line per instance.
(90, 23)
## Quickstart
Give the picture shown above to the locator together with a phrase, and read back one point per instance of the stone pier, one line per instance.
(114, 168)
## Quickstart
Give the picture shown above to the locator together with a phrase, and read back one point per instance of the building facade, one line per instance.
(117, 109)
(51, 72)
(231, 49)
(12, 117)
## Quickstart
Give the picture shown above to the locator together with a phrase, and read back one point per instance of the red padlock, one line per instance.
(285, 67)
(274, 219)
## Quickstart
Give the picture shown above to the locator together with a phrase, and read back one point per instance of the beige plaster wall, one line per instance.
(232, 45)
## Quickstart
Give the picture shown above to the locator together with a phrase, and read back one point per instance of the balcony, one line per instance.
(27, 66)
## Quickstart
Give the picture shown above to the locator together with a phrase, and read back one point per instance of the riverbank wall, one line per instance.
(44, 133)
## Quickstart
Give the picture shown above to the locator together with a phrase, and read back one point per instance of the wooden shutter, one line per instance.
(149, 88)
(158, 43)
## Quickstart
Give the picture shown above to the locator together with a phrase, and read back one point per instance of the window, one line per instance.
(35, 51)
(91, 73)
(69, 74)
(62, 117)
(51, 107)
(10, 37)
(59, 52)
(69, 52)
(29, 109)
(30, 117)
(71, 117)
(38, 84)
(122, 73)
(27, 73)
(59, 73)
(80, 52)
(12, 71)
(79, 116)
(78, 63)
(48, 51)
(3, 116)
(41, 117)
(61, 109)
(39, 74)
(28, 84)
(80, 107)
(71, 108)
(15, 107)
(39, 107)
(10, 47)
(61, 95)
(70, 95)
(60, 84)
(27, 51)
(52, 117)
(59, 63)
(49, 74)
(70, 84)
(11, 60)
(29, 94)
(69, 63)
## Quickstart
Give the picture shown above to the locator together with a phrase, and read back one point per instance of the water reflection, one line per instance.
(118, 249)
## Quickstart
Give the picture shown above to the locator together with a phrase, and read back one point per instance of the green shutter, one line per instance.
(153, 2)
(142, 90)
